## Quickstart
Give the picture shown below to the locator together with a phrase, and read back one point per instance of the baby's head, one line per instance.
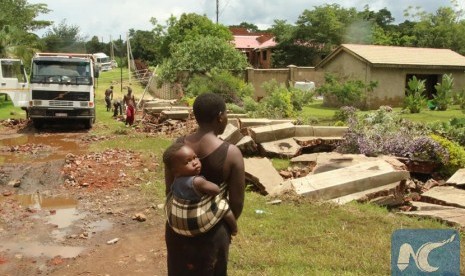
(181, 160)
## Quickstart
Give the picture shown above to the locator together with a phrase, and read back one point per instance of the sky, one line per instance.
(111, 19)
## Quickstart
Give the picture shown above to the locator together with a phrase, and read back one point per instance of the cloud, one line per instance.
(114, 18)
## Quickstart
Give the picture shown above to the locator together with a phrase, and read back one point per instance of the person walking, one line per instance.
(130, 104)
(109, 97)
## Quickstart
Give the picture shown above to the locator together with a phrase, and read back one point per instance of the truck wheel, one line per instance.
(38, 124)
(88, 123)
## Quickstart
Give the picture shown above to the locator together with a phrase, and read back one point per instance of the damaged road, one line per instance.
(64, 211)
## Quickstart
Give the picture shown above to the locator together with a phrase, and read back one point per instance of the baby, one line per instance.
(182, 161)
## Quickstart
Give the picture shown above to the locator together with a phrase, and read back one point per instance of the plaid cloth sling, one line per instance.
(190, 219)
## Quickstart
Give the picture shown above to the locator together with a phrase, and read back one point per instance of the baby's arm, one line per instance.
(205, 187)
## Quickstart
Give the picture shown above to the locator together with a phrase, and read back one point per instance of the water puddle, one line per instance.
(38, 147)
(36, 249)
(62, 214)
(101, 225)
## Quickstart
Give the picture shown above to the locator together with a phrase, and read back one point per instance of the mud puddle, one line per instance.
(22, 148)
(62, 214)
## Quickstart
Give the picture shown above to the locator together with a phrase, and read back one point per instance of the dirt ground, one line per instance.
(64, 211)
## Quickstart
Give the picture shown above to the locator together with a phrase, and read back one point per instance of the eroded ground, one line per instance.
(65, 211)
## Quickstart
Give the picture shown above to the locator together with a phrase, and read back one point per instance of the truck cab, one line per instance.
(103, 61)
(13, 81)
(62, 88)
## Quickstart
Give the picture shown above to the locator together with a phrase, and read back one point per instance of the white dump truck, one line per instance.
(62, 88)
(103, 61)
(13, 81)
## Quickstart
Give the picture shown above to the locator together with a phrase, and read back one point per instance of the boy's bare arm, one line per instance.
(206, 187)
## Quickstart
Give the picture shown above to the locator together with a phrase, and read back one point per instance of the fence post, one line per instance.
(291, 76)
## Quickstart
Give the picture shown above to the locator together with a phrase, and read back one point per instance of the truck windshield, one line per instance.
(56, 71)
(103, 60)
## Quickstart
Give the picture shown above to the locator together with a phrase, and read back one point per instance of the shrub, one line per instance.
(350, 92)
(414, 100)
(300, 98)
(443, 97)
(383, 132)
(221, 82)
(233, 108)
(344, 113)
(279, 102)
(453, 130)
(456, 155)
(458, 97)
(426, 149)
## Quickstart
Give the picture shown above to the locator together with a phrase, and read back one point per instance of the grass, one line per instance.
(297, 237)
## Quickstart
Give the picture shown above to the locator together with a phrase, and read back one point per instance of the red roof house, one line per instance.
(256, 46)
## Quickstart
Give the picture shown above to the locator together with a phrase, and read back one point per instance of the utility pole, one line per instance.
(217, 10)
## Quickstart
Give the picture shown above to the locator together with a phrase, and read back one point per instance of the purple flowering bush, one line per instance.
(383, 132)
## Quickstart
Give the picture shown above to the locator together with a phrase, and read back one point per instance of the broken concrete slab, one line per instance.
(263, 175)
(349, 180)
(175, 114)
(304, 131)
(160, 109)
(329, 131)
(326, 161)
(269, 133)
(458, 178)
(446, 195)
(237, 115)
(320, 131)
(234, 122)
(452, 215)
(158, 102)
(231, 134)
(285, 148)
(318, 144)
(247, 145)
(254, 122)
(365, 195)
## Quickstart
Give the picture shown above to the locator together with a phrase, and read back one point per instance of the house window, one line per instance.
(264, 55)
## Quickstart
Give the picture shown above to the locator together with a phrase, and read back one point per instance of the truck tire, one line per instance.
(88, 123)
(38, 124)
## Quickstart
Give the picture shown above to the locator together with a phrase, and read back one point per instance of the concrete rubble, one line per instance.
(317, 172)
(262, 174)
(348, 180)
(443, 202)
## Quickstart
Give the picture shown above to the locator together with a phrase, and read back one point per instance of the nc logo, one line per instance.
(425, 252)
(421, 257)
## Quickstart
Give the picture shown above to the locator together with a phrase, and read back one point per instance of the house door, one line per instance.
(430, 82)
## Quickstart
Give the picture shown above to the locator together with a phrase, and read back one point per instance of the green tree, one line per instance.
(17, 21)
(325, 25)
(22, 15)
(95, 46)
(200, 56)
(191, 27)
(251, 28)
(146, 46)
(64, 38)
(290, 50)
